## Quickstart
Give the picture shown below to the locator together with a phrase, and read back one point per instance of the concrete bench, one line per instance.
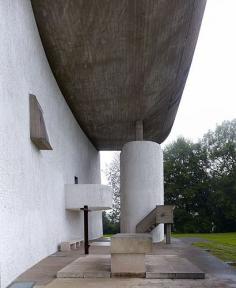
(70, 245)
(128, 254)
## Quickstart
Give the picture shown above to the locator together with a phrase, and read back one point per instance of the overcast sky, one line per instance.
(210, 93)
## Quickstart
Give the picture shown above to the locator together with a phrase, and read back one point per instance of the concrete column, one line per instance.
(139, 130)
(168, 233)
(142, 186)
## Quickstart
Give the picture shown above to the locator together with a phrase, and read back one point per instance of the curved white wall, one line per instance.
(33, 219)
(141, 184)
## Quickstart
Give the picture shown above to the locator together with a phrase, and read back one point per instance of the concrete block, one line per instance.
(70, 274)
(38, 131)
(173, 275)
(126, 243)
(65, 246)
(171, 267)
(128, 265)
(164, 214)
(97, 274)
(70, 245)
(73, 246)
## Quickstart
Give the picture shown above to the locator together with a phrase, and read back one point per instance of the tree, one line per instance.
(200, 179)
(113, 176)
(187, 185)
(220, 145)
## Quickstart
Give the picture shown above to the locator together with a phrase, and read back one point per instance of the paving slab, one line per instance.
(218, 273)
(22, 285)
(45, 271)
(171, 267)
(135, 283)
(158, 267)
(90, 266)
(101, 244)
(102, 239)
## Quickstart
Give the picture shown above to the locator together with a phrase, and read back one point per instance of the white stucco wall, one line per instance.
(33, 219)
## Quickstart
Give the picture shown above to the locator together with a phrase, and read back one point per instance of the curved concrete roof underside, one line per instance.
(119, 61)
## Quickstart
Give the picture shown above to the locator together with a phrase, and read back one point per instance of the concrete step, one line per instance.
(89, 266)
(171, 267)
(157, 267)
(22, 285)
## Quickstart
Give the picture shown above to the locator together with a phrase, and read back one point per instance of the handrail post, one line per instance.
(86, 239)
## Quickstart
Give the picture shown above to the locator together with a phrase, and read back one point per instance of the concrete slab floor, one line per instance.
(100, 243)
(158, 267)
(171, 267)
(136, 283)
(46, 270)
(22, 285)
(89, 266)
(218, 273)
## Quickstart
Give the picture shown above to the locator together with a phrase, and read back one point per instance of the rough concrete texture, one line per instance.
(32, 203)
(120, 61)
(95, 196)
(126, 243)
(128, 265)
(141, 184)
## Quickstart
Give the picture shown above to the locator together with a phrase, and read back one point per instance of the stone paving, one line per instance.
(218, 273)
(138, 283)
(157, 267)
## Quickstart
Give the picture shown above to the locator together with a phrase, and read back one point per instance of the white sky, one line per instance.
(210, 93)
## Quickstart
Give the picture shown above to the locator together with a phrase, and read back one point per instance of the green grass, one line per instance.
(108, 235)
(222, 245)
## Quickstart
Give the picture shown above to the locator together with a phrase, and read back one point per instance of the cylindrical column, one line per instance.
(141, 180)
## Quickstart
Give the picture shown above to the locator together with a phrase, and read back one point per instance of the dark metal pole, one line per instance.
(86, 240)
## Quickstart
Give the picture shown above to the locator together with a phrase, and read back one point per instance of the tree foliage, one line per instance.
(111, 219)
(113, 177)
(221, 151)
(200, 180)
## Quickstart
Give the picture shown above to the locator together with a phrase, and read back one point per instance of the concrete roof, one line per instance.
(119, 61)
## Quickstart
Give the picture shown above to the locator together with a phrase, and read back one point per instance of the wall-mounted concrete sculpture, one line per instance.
(38, 131)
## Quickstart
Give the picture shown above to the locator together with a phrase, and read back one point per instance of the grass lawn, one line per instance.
(222, 245)
(108, 235)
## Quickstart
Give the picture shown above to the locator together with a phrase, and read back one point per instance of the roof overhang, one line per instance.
(118, 62)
